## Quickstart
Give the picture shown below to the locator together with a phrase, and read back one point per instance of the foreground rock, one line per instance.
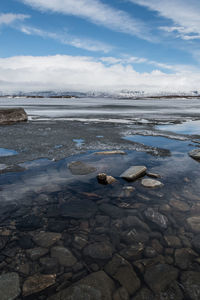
(191, 283)
(114, 152)
(12, 115)
(134, 172)
(195, 154)
(194, 223)
(37, 283)
(105, 179)
(80, 168)
(96, 286)
(78, 209)
(46, 239)
(156, 218)
(100, 250)
(151, 183)
(9, 286)
(64, 256)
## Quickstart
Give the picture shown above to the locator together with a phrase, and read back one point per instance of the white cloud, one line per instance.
(68, 39)
(77, 73)
(183, 13)
(9, 19)
(96, 12)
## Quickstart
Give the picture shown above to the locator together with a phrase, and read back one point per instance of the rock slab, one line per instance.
(12, 115)
(80, 168)
(37, 283)
(134, 172)
(9, 286)
(78, 209)
(195, 154)
(151, 183)
(64, 256)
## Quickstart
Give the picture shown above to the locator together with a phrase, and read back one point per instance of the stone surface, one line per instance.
(46, 239)
(184, 257)
(179, 205)
(151, 183)
(36, 253)
(133, 173)
(158, 277)
(153, 175)
(172, 241)
(133, 221)
(156, 218)
(114, 152)
(105, 179)
(196, 243)
(96, 286)
(12, 115)
(25, 242)
(80, 168)
(9, 286)
(194, 223)
(99, 250)
(37, 283)
(49, 265)
(144, 294)
(122, 271)
(78, 209)
(29, 223)
(112, 211)
(64, 256)
(195, 154)
(121, 294)
(191, 283)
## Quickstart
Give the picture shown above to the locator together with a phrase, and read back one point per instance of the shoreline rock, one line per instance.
(12, 115)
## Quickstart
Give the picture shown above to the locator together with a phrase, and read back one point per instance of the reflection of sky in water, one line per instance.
(79, 142)
(190, 127)
(7, 152)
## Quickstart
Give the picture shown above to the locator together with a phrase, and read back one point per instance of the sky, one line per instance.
(98, 45)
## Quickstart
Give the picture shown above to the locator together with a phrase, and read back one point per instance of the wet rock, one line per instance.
(157, 246)
(135, 236)
(133, 173)
(172, 241)
(12, 115)
(150, 252)
(49, 265)
(121, 294)
(127, 191)
(26, 242)
(37, 283)
(156, 218)
(64, 256)
(196, 243)
(79, 242)
(158, 277)
(105, 179)
(194, 223)
(151, 183)
(153, 175)
(99, 250)
(179, 205)
(29, 223)
(112, 211)
(46, 239)
(122, 271)
(9, 286)
(133, 221)
(183, 258)
(195, 154)
(81, 168)
(3, 241)
(56, 226)
(78, 209)
(172, 292)
(36, 253)
(132, 252)
(96, 286)
(114, 152)
(144, 294)
(191, 283)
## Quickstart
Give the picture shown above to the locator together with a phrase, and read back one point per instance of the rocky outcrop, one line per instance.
(133, 173)
(12, 115)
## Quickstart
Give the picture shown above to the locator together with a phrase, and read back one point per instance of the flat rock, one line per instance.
(156, 218)
(135, 222)
(96, 286)
(191, 283)
(133, 173)
(121, 294)
(64, 256)
(179, 205)
(196, 243)
(114, 152)
(195, 154)
(36, 253)
(29, 223)
(81, 168)
(37, 283)
(9, 286)
(158, 277)
(144, 294)
(12, 115)
(122, 271)
(112, 211)
(151, 183)
(194, 223)
(78, 209)
(46, 239)
(153, 175)
(99, 250)
(184, 257)
(172, 241)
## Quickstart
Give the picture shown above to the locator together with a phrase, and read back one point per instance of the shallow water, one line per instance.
(189, 127)
(7, 152)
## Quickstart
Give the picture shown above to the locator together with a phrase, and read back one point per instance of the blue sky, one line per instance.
(151, 45)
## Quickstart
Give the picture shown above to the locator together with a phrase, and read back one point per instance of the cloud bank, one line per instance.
(83, 74)
(9, 19)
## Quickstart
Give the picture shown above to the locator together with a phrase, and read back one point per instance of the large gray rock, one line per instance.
(12, 115)
(64, 256)
(78, 209)
(133, 173)
(156, 218)
(191, 283)
(9, 286)
(80, 168)
(195, 154)
(96, 286)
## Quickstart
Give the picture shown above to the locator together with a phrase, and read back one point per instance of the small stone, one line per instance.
(99, 250)
(64, 256)
(151, 183)
(195, 154)
(132, 252)
(105, 179)
(172, 241)
(194, 223)
(81, 168)
(179, 205)
(153, 175)
(37, 283)
(184, 257)
(114, 152)
(149, 252)
(36, 253)
(79, 242)
(133, 221)
(9, 286)
(156, 218)
(133, 173)
(191, 283)
(46, 239)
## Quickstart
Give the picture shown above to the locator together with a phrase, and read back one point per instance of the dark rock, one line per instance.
(195, 154)
(49, 265)
(172, 292)
(96, 286)
(133, 173)
(12, 115)
(194, 223)
(149, 252)
(37, 283)
(172, 241)
(3, 241)
(133, 221)
(144, 294)
(79, 242)
(57, 226)
(29, 223)
(132, 252)
(191, 283)
(121, 294)
(183, 258)
(135, 236)
(78, 209)
(196, 243)
(26, 242)
(9, 286)
(64, 256)
(158, 277)
(122, 271)
(179, 205)
(36, 253)
(81, 168)
(156, 218)
(105, 179)
(46, 239)
(112, 211)
(99, 250)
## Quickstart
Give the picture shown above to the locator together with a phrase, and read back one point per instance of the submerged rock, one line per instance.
(9, 286)
(12, 115)
(195, 154)
(98, 250)
(133, 173)
(37, 283)
(105, 179)
(78, 209)
(114, 152)
(46, 239)
(64, 256)
(81, 168)
(194, 223)
(191, 283)
(151, 183)
(156, 218)
(96, 286)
